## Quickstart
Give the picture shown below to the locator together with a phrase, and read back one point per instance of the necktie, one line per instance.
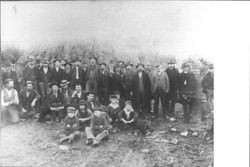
(77, 74)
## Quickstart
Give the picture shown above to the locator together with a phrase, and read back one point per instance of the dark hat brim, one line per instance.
(140, 65)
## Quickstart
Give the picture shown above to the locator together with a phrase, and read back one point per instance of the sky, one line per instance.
(177, 28)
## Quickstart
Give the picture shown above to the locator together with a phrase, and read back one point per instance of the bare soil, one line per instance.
(30, 143)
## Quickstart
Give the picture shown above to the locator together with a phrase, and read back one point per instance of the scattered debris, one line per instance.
(152, 137)
(63, 147)
(145, 150)
(172, 119)
(173, 130)
(195, 134)
(174, 141)
(185, 133)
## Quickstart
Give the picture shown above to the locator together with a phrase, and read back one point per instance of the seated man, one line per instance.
(56, 103)
(9, 102)
(71, 126)
(28, 98)
(99, 128)
(129, 120)
(84, 114)
(77, 95)
(92, 101)
(66, 91)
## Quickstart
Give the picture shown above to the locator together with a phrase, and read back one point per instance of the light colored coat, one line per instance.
(164, 82)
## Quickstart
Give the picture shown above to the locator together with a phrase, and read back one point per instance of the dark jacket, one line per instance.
(74, 100)
(54, 101)
(97, 121)
(117, 83)
(73, 79)
(73, 122)
(173, 76)
(30, 74)
(103, 79)
(128, 75)
(132, 115)
(135, 90)
(208, 81)
(58, 76)
(44, 80)
(187, 84)
(24, 101)
(96, 104)
(95, 70)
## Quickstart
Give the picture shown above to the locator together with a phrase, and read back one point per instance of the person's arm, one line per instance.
(167, 81)
(75, 126)
(3, 104)
(135, 117)
(105, 124)
(93, 126)
(16, 97)
(88, 118)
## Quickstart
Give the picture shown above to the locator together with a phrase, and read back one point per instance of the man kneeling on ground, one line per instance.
(71, 126)
(99, 128)
(28, 98)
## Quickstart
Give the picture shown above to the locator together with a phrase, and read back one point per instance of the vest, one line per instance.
(8, 98)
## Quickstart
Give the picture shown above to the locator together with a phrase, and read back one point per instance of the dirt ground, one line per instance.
(30, 143)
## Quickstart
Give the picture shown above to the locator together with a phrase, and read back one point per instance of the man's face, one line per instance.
(82, 107)
(65, 86)
(148, 67)
(113, 100)
(91, 97)
(102, 66)
(97, 113)
(78, 63)
(57, 63)
(78, 88)
(129, 67)
(140, 68)
(63, 62)
(128, 108)
(171, 66)
(29, 87)
(32, 63)
(185, 69)
(118, 69)
(10, 85)
(54, 88)
(92, 61)
(211, 70)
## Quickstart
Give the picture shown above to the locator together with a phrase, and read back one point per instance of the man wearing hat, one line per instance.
(67, 74)
(66, 91)
(77, 74)
(92, 75)
(58, 73)
(77, 95)
(187, 90)
(56, 103)
(31, 73)
(91, 100)
(9, 102)
(84, 114)
(28, 98)
(160, 88)
(117, 82)
(103, 84)
(15, 73)
(45, 77)
(173, 75)
(208, 85)
(141, 94)
(129, 73)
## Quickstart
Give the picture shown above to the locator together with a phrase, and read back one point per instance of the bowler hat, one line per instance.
(172, 61)
(45, 61)
(92, 57)
(82, 102)
(89, 92)
(102, 63)
(76, 59)
(184, 65)
(28, 82)
(53, 83)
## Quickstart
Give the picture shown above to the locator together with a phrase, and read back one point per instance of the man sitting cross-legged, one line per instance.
(84, 114)
(99, 128)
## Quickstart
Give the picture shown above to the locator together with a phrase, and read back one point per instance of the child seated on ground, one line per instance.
(99, 128)
(71, 126)
(84, 115)
(114, 109)
(129, 120)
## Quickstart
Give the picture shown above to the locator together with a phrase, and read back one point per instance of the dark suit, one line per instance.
(74, 80)
(173, 76)
(44, 79)
(31, 74)
(75, 99)
(58, 75)
(141, 100)
(103, 87)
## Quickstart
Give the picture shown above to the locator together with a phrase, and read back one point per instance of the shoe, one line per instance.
(89, 141)
(95, 144)
(63, 140)
(70, 141)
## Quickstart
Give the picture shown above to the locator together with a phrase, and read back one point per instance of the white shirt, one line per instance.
(45, 69)
(77, 73)
(140, 74)
(57, 69)
(4, 104)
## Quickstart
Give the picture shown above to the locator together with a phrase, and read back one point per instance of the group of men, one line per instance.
(48, 91)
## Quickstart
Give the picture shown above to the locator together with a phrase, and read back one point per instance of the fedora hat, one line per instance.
(64, 82)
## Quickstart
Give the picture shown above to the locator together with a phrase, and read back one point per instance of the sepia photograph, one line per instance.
(107, 83)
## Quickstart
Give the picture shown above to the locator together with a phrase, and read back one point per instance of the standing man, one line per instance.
(9, 102)
(208, 86)
(128, 75)
(187, 90)
(45, 77)
(58, 73)
(160, 88)
(173, 75)
(103, 84)
(92, 75)
(28, 98)
(141, 94)
(30, 72)
(15, 73)
(77, 74)
(117, 82)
